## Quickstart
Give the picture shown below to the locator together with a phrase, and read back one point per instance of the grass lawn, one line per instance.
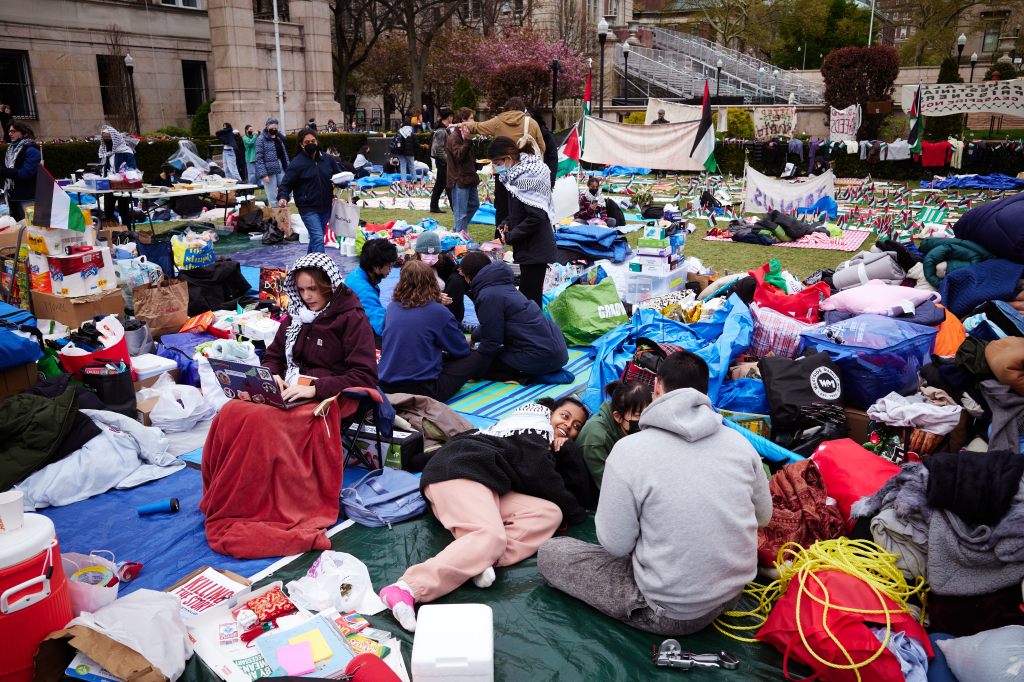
(724, 257)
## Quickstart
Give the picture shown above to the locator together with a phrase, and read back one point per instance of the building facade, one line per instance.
(62, 65)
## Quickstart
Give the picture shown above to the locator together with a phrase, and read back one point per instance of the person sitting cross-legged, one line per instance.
(677, 519)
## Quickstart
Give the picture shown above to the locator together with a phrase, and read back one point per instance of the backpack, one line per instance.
(395, 146)
(646, 360)
(382, 497)
(21, 342)
(437, 144)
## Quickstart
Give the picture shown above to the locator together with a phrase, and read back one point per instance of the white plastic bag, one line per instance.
(336, 580)
(89, 592)
(135, 272)
(565, 197)
(179, 407)
(237, 351)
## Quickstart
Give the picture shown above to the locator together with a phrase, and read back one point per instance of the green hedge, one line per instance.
(64, 158)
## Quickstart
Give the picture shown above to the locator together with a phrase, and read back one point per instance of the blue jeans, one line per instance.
(465, 202)
(250, 169)
(407, 164)
(316, 222)
(231, 164)
(271, 187)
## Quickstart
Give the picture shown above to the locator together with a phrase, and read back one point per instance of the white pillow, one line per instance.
(990, 656)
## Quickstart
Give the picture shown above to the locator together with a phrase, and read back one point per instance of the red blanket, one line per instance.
(271, 479)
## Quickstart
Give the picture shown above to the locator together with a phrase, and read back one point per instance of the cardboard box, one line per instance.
(702, 280)
(224, 572)
(56, 651)
(149, 381)
(106, 233)
(142, 410)
(857, 424)
(16, 379)
(74, 311)
(403, 448)
(9, 238)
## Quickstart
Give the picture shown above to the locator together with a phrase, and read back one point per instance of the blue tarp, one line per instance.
(169, 546)
(743, 395)
(825, 205)
(718, 341)
(484, 215)
(624, 170)
(594, 240)
(371, 181)
(994, 181)
(764, 447)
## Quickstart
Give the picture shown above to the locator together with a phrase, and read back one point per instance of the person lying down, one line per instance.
(501, 492)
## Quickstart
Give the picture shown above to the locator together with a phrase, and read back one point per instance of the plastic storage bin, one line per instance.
(875, 354)
(454, 643)
(641, 286)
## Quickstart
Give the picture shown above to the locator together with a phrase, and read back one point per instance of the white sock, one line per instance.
(405, 615)
(485, 579)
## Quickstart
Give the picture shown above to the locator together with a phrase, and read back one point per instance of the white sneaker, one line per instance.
(485, 579)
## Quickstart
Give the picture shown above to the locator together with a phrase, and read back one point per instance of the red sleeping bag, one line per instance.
(850, 472)
(848, 598)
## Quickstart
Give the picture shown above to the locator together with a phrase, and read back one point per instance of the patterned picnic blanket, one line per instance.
(850, 241)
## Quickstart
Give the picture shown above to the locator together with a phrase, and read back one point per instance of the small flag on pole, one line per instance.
(704, 144)
(54, 207)
(569, 153)
(916, 123)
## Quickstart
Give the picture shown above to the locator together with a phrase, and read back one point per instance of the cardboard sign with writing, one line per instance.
(843, 124)
(772, 122)
(164, 306)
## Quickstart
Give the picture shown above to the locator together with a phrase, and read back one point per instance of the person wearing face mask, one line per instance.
(270, 159)
(375, 262)
(272, 477)
(501, 494)
(249, 145)
(21, 163)
(528, 227)
(619, 416)
(115, 153)
(681, 502)
(309, 178)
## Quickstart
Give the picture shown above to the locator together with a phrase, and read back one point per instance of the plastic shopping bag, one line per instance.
(336, 580)
(89, 578)
(585, 312)
(192, 253)
(345, 219)
(237, 351)
(178, 408)
(136, 272)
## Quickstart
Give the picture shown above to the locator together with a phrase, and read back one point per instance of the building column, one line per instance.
(237, 71)
(315, 18)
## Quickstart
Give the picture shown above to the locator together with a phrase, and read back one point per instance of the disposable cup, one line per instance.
(12, 513)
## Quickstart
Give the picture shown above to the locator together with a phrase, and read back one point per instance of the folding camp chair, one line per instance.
(372, 406)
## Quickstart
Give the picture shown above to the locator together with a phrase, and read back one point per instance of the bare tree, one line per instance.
(420, 21)
(936, 23)
(489, 15)
(572, 27)
(358, 24)
(114, 83)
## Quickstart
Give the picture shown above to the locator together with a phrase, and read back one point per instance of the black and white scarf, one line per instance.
(9, 159)
(593, 198)
(298, 313)
(530, 418)
(529, 181)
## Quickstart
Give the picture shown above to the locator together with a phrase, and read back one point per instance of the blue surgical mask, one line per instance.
(502, 171)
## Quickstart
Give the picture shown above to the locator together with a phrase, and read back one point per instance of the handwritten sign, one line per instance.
(843, 123)
(762, 193)
(944, 99)
(772, 122)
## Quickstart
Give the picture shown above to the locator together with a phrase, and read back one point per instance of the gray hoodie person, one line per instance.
(685, 497)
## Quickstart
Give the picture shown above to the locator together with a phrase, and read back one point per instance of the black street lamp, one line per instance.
(129, 63)
(718, 80)
(554, 90)
(625, 77)
(960, 42)
(974, 62)
(602, 36)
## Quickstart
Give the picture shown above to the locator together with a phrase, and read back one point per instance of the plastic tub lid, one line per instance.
(33, 537)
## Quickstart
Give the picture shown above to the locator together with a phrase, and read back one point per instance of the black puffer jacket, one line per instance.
(309, 180)
(32, 429)
(522, 463)
(530, 234)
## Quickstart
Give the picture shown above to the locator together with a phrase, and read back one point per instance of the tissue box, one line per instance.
(654, 243)
(654, 232)
(655, 264)
(454, 642)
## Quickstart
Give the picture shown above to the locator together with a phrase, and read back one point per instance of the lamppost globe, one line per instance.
(602, 28)
(129, 65)
(974, 62)
(129, 61)
(960, 42)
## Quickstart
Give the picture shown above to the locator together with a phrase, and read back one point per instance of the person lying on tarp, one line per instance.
(592, 202)
(515, 342)
(501, 492)
(423, 352)
(271, 476)
(680, 505)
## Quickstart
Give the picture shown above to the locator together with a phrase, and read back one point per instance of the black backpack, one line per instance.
(806, 399)
(395, 147)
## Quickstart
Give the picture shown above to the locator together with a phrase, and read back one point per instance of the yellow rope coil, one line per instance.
(859, 558)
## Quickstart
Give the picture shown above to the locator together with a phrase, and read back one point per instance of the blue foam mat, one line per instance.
(170, 546)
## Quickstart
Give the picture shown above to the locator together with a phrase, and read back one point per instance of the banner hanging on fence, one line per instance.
(772, 122)
(674, 112)
(762, 193)
(944, 99)
(666, 147)
(843, 124)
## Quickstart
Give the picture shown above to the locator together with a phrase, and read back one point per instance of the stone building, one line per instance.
(62, 63)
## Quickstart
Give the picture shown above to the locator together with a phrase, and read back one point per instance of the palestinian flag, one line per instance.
(54, 207)
(586, 97)
(704, 143)
(916, 123)
(569, 153)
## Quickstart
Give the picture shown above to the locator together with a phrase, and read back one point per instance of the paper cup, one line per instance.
(12, 511)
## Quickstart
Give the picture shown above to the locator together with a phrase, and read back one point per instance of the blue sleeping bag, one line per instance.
(997, 225)
(593, 240)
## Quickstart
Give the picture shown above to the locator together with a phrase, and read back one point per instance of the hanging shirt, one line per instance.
(899, 150)
(935, 154)
(957, 158)
(851, 146)
(797, 147)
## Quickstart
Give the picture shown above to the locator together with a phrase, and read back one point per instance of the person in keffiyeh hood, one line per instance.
(115, 154)
(528, 228)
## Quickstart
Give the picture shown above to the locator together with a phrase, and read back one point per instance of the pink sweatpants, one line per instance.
(489, 531)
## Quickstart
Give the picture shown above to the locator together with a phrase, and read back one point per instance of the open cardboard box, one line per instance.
(16, 379)
(56, 651)
(74, 311)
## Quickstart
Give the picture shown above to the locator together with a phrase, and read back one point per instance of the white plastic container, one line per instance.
(454, 642)
(149, 365)
(641, 286)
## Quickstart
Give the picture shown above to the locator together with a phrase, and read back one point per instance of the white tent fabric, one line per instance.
(674, 113)
(763, 193)
(619, 144)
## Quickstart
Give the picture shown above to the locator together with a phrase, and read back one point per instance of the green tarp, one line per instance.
(540, 634)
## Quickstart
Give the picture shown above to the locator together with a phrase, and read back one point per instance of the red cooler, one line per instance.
(34, 598)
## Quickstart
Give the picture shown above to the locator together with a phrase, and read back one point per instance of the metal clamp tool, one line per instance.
(671, 655)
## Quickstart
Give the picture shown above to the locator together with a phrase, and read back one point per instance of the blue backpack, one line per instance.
(16, 349)
(382, 497)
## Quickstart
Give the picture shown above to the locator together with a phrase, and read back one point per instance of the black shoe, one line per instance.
(437, 210)
(293, 237)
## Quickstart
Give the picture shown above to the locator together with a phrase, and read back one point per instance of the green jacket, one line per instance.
(249, 141)
(596, 440)
(32, 428)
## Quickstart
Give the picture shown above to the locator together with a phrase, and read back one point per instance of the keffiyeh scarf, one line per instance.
(298, 312)
(529, 181)
(9, 157)
(531, 418)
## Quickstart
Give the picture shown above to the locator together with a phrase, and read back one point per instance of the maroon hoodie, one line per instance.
(336, 348)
